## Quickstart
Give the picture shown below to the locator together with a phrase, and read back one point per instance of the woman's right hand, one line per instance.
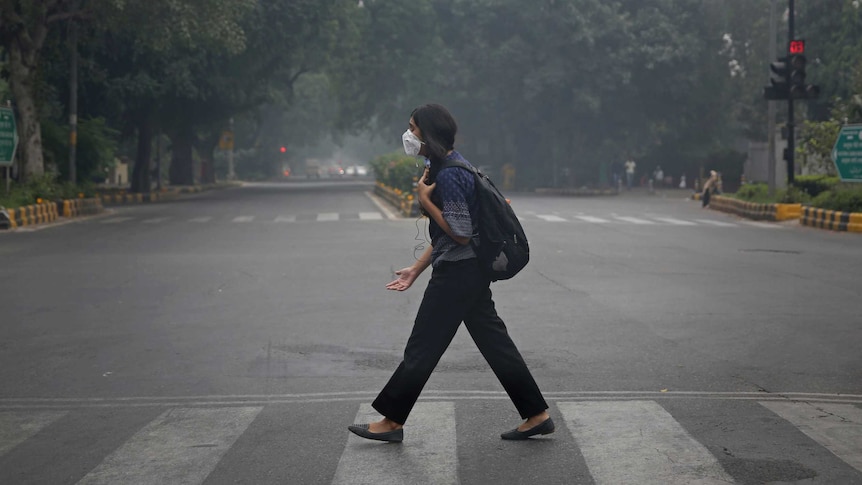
(405, 279)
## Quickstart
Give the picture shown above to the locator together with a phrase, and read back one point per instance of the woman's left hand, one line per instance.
(424, 190)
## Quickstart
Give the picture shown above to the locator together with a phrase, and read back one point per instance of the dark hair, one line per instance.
(438, 129)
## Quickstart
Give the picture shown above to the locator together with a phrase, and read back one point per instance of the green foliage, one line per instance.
(759, 193)
(397, 171)
(45, 187)
(97, 147)
(845, 199)
(814, 185)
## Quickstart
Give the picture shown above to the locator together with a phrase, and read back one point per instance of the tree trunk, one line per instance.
(140, 180)
(182, 170)
(206, 150)
(23, 86)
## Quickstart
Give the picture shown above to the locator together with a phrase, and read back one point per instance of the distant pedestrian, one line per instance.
(682, 181)
(617, 172)
(630, 172)
(712, 185)
(458, 292)
(658, 175)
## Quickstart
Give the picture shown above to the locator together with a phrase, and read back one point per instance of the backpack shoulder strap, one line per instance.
(459, 163)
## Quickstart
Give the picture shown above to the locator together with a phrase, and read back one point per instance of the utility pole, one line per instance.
(231, 175)
(773, 46)
(73, 99)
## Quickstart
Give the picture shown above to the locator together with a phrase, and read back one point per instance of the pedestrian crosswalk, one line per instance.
(616, 441)
(639, 220)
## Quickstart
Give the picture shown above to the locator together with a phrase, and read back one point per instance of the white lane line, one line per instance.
(838, 427)
(716, 223)
(596, 220)
(182, 445)
(764, 225)
(155, 220)
(117, 220)
(285, 219)
(18, 426)
(327, 216)
(634, 220)
(370, 216)
(428, 454)
(243, 219)
(638, 442)
(675, 222)
(201, 220)
(550, 218)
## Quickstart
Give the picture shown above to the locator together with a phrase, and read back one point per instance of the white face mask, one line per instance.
(412, 143)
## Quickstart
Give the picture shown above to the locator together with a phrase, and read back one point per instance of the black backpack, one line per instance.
(502, 246)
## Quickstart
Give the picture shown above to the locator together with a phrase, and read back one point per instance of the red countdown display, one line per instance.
(797, 47)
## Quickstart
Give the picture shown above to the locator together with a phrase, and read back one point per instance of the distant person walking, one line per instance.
(630, 172)
(712, 185)
(458, 292)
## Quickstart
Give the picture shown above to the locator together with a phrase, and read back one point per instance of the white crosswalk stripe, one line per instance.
(285, 219)
(550, 218)
(716, 223)
(838, 427)
(633, 220)
(431, 434)
(155, 220)
(18, 426)
(639, 442)
(675, 222)
(243, 219)
(614, 441)
(370, 216)
(327, 216)
(182, 445)
(595, 220)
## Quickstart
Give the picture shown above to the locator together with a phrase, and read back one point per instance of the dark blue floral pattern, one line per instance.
(456, 195)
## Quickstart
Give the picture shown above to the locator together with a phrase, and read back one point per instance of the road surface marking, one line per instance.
(155, 220)
(638, 442)
(550, 218)
(327, 216)
(764, 225)
(16, 426)
(676, 222)
(716, 223)
(370, 216)
(285, 219)
(243, 219)
(597, 220)
(838, 427)
(428, 454)
(117, 220)
(183, 445)
(634, 220)
(201, 219)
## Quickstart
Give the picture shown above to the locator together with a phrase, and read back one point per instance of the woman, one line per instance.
(456, 292)
(710, 186)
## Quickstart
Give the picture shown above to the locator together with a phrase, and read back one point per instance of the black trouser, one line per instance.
(458, 291)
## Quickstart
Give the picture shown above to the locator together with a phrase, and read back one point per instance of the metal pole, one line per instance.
(231, 175)
(773, 46)
(159, 160)
(791, 128)
(73, 99)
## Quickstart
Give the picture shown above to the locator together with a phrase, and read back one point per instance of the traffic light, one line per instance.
(798, 88)
(283, 149)
(779, 79)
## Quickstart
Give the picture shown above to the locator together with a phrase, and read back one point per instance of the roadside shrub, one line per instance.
(45, 187)
(844, 199)
(752, 192)
(397, 170)
(814, 185)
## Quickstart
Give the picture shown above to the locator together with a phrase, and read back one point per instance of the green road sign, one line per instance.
(8, 137)
(847, 153)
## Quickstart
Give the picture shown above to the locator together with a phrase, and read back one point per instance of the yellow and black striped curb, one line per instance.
(172, 193)
(832, 220)
(406, 203)
(753, 210)
(82, 207)
(43, 213)
(29, 215)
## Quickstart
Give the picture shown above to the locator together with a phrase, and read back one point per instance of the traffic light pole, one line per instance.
(791, 127)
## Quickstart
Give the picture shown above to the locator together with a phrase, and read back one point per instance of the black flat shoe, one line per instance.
(395, 436)
(546, 427)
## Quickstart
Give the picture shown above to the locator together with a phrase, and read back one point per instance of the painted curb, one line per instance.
(831, 220)
(406, 204)
(753, 210)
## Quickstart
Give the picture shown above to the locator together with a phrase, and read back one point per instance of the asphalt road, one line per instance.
(231, 336)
